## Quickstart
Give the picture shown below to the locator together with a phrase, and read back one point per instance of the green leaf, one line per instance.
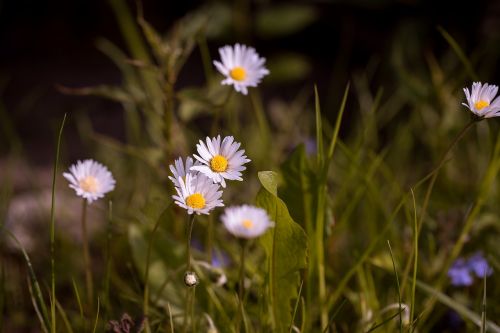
(286, 249)
(269, 180)
(297, 190)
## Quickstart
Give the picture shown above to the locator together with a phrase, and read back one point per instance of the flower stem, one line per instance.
(188, 310)
(241, 291)
(188, 245)
(86, 256)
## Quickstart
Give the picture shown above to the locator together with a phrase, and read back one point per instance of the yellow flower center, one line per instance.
(238, 73)
(195, 201)
(218, 163)
(481, 104)
(89, 184)
(247, 224)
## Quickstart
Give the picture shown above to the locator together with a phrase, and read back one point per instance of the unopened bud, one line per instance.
(190, 279)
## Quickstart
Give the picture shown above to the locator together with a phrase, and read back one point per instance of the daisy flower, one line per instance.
(481, 100)
(241, 66)
(220, 161)
(90, 179)
(180, 169)
(197, 194)
(246, 221)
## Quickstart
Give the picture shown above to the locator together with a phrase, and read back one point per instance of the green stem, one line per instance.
(190, 290)
(86, 256)
(241, 291)
(188, 245)
(428, 193)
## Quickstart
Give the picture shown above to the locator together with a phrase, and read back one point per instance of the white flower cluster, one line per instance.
(198, 184)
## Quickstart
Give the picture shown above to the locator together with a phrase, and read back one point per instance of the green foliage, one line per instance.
(286, 250)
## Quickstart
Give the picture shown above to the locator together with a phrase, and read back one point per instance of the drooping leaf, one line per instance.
(286, 249)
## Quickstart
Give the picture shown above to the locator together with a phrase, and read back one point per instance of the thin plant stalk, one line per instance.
(188, 311)
(241, 289)
(86, 256)
(52, 233)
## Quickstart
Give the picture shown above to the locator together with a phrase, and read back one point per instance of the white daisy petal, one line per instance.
(481, 100)
(180, 169)
(241, 66)
(197, 194)
(246, 221)
(220, 159)
(90, 179)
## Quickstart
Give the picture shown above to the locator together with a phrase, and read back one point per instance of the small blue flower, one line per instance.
(459, 273)
(478, 264)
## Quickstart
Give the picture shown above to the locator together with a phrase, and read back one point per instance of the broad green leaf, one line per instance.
(286, 249)
(297, 190)
(269, 180)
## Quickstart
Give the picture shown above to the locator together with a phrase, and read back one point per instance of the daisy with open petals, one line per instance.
(241, 66)
(246, 221)
(181, 169)
(220, 161)
(197, 194)
(481, 100)
(90, 179)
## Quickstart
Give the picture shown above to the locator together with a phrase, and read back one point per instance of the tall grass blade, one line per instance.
(334, 315)
(397, 283)
(78, 299)
(415, 260)
(459, 308)
(36, 292)
(64, 317)
(97, 315)
(53, 323)
(483, 307)
(459, 52)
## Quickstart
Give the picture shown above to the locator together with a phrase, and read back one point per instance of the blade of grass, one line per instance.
(319, 130)
(334, 315)
(397, 283)
(78, 299)
(373, 328)
(37, 295)
(64, 317)
(97, 315)
(459, 52)
(336, 130)
(483, 307)
(459, 308)
(52, 232)
(35, 306)
(296, 306)
(415, 260)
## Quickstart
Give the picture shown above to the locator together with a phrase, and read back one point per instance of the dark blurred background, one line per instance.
(50, 43)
